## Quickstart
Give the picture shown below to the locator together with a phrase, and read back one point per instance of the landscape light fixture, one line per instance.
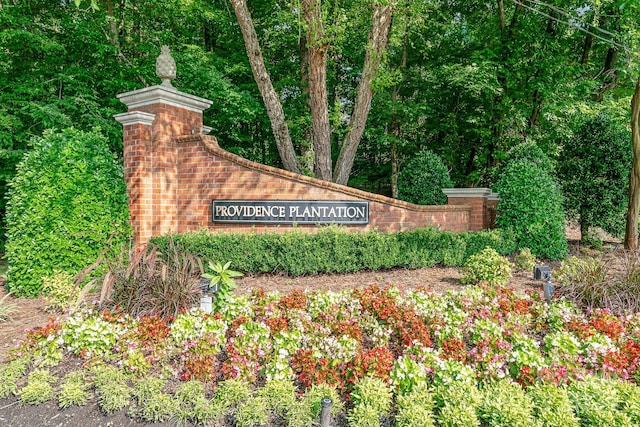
(206, 301)
(543, 272)
(325, 412)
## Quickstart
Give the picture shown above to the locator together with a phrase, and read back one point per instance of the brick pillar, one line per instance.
(167, 114)
(474, 197)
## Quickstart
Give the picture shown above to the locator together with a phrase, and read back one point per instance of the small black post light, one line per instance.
(206, 301)
(325, 412)
(543, 272)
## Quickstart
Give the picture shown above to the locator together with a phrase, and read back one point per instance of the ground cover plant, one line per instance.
(482, 356)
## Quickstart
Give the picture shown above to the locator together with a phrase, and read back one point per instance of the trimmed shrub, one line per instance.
(552, 407)
(66, 200)
(422, 180)
(531, 207)
(595, 174)
(487, 266)
(597, 402)
(505, 403)
(336, 250)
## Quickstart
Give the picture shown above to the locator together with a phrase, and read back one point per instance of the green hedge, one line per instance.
(336, 250)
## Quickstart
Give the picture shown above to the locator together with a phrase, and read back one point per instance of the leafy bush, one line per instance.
(457, 402)
(10, 373)
(152, 282)
(486, 266)
(597, 403)
(505, 404)
(595, 174)
(73, 390)
(531, 206)
(421, 181)
(525, 260)
(66, 200)
(372, 398)
(39, 388)
(59, 291)
(415, 409)
(552, 407)
(336, 250)
(529, 152)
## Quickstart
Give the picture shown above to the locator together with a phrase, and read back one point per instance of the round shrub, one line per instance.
(531, 207)
(67, 198)
(525, 260)
(595, 175)
(528, 151)
(486, 266)
(422, 180)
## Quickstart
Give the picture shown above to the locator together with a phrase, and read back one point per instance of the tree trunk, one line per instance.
(269, 95)
(631, 232)
(317, 49)
(396, 128)
(112, 21)
(586, 49)
(376, 46)
(308, 156)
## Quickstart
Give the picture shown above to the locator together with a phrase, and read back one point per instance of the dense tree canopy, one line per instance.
(465, 79)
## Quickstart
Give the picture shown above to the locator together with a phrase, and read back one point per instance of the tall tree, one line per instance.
(317, 45)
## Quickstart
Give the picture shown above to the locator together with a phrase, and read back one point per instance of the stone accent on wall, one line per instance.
(174, 172)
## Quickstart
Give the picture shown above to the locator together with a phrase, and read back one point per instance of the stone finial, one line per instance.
(166, 66)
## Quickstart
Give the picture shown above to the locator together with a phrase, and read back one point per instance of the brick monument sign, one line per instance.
(179, 179)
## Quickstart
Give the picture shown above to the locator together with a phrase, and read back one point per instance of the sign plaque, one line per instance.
(290, 211)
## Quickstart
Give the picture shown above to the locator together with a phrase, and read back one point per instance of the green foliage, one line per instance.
(192, 403)
(67, 199)
(552, 407)
(457, 402)
(371, 398)
(486, 266)
(59, 291)
(252, 412)
(525, 260)
(336, 250)
(422, 180)
(39, 388)
(231, 392)
(152, 282)
(223, 277)
(630, 398)
(505, 403)
(73, 390)
(10, 373)
(415, 409)
(112, 388)
(529, 152)
(280, 395)
(595, 173)
(531, 207)
(597, 403)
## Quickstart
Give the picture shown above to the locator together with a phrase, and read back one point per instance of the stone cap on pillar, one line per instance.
(467, 192)
(164, 95)
(135, 118)
(493, 196)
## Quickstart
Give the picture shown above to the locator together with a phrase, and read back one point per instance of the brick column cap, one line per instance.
(467, 192)
(493, 196)
(164, 95)
(135, 118)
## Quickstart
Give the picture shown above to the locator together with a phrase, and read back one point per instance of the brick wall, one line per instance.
(174, 172)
